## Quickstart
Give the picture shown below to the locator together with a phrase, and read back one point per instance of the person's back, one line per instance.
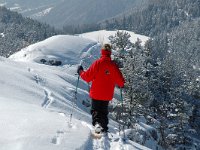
(104, 75)
(107, 75)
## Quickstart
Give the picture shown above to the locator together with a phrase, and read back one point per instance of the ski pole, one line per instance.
(122, 110)
(119, 116)
(75, 96)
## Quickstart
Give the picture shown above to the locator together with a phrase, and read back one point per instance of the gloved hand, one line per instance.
(79, 69)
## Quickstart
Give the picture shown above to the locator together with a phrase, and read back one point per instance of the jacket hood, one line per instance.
(105, 53)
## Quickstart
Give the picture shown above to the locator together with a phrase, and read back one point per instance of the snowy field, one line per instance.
(36, 99)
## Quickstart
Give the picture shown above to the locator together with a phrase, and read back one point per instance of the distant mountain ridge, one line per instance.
(72, 12)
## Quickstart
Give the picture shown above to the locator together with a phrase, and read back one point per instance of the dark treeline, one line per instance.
(17, 32)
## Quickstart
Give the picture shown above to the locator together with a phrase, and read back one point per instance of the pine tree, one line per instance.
(121, 42)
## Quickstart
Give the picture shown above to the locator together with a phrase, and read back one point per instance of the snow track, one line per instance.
(58, 138)
(111, 142)
(48, 98)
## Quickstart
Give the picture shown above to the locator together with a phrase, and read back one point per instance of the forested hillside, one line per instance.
(159, 16)
(162, 87)
(17, 32)
(163, 77)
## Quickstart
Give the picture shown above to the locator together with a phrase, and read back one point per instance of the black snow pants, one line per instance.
(99, 111)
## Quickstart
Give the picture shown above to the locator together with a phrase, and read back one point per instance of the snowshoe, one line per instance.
(97, 133)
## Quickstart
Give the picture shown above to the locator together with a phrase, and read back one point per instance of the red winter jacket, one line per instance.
(104, 75)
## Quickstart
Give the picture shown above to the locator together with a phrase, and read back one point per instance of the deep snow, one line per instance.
(36, 100)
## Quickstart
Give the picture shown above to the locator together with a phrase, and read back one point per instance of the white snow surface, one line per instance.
(2, 35)
(65, 48)
(102, 36)
(36, 100)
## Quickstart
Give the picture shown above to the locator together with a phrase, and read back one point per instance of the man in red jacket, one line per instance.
(104, 75)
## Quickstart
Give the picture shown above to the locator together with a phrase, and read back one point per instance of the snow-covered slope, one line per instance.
(102, 36)
(36, 100)
(28, 127)
(64, 48)
(29, 97)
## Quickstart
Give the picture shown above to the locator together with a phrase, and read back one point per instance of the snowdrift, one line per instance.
(56, 50)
